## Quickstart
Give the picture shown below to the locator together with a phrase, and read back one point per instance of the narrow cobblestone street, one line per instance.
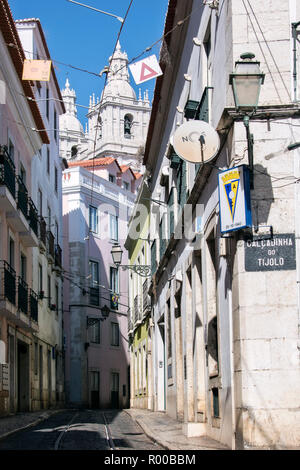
(82, 430)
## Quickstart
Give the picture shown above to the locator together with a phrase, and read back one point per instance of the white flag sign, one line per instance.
(145, 69)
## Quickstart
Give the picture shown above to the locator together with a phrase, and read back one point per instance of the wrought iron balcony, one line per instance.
(33, 216)
(7, 171)
(33, 302)
(22, 201)
(8, 282)
(22, 296)
(58, 257)
(50, 244)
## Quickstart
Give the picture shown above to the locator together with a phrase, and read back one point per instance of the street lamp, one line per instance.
(140, 269)
(246, 82)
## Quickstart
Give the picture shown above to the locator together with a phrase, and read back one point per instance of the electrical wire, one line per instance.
(271, 54)
(258, 41)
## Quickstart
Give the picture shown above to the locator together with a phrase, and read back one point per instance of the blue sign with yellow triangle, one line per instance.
(234, 199)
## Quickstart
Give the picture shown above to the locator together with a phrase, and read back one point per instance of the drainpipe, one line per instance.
(294, 36)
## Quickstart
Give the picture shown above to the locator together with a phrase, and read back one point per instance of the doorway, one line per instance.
(161, 372)
(94, 389)
(114, 390)
(23, 376)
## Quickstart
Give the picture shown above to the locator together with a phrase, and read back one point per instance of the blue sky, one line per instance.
(85, 38)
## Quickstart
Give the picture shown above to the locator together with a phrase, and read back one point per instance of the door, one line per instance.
(94, 388)
(115, 390)
(11, 343)
(49, 378)
(41, 376)
(23, 376)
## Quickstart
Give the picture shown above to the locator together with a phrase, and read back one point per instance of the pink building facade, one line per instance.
(98, 196)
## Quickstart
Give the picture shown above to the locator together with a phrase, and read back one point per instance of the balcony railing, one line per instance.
(42, 230)
(58, 256)
(50, 248)
(22, 296)
(7, 171)
(8, 282)
(33, 216)
(33, 302)
(22, 197)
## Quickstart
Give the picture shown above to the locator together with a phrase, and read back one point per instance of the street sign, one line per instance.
(234, 199)
(274, 254)
(145, 69)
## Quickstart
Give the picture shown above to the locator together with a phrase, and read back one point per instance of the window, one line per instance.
(49, 218)
(55, 179)
(55, 124)
(11, 150)
(74, 151)
(93, 219)
(35, 359)
(56, 231)
(126, 185)
(40, 202)
(40, 277)
(94, 331)
(115, 334)
(56, 298)
(111, 178)
(95, 381)
(49, 291)
(127, 125)
(114, 286)
(216, 407)
(47, 102)
(23, 267)
(113, 227)
(114, 279)
(94, 283)
(48, 161)
(11, 252)
(23, 174)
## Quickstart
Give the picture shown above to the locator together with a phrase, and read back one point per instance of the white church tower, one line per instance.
(72, 137)
(117, 122)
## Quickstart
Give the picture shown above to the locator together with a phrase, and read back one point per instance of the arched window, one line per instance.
(99, 130)
(127, 124)
(74, 151)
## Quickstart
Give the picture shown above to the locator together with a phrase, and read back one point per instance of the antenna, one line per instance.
(196, 141)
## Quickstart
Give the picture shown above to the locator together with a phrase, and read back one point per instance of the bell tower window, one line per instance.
(127, 125)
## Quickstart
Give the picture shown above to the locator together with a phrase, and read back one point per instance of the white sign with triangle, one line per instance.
(145, 69)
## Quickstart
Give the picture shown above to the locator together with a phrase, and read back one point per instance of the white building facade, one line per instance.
(46, 174)
(226, 310)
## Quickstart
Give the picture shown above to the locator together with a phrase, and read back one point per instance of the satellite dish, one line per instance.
(196, 141)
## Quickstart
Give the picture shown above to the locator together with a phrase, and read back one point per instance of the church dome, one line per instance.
(118, 77)
(70, 122)
(119, 88)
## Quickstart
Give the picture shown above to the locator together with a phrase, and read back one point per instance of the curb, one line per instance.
(34, 423)
(148, 432)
